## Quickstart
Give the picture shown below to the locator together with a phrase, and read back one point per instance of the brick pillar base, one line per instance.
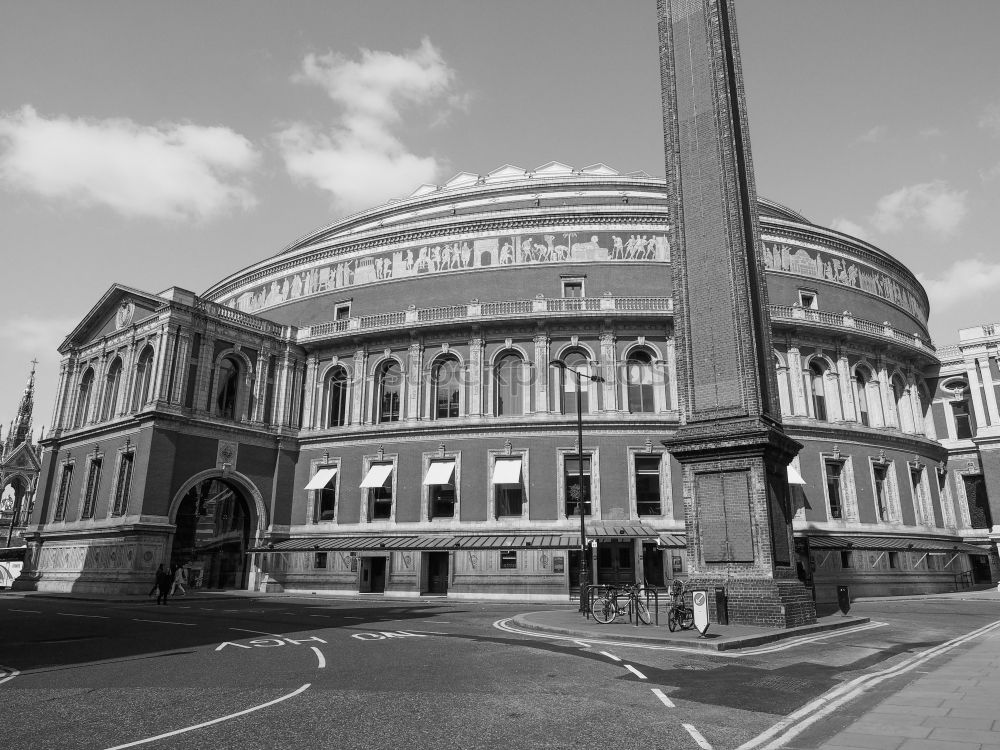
(763, 602)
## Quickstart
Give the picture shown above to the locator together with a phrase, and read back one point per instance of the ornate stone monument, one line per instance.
(731, 444)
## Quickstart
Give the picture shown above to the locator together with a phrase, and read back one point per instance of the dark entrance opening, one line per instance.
(437, 572)
(980, 569)
(372, 575)
(652, 565)
(213, 534)
(615, 565)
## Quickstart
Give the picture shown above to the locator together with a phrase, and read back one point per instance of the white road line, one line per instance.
(213, 721)
(33, 611)
(352, 617)
(96, 617)
(582, 644)
(797, 721)
(258, 632)
(7, 674)
(696, 736)
(165, 622)
(319, 657)
(635, 671)
(663, 698)
(610, 656)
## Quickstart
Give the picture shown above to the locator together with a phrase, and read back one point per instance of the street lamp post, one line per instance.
(579, 465)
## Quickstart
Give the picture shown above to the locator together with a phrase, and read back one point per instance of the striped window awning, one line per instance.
(894, 543)
(424, 542)
(321, 479)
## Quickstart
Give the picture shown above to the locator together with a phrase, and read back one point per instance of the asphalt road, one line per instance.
(308, 673)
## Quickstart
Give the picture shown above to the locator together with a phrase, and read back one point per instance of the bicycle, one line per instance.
(680, 615)
(606, 607)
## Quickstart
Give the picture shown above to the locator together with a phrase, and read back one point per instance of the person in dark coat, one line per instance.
(164, 580)
(156, 580)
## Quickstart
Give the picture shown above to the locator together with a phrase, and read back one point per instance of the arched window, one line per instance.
(446, 382)
(388, 389)
(639, 376)
(336, 397)
(901, 399)
(509, 385)
(83, 398)
(229, 388)
(817, 374)
(861, 395)
(143, 378)
(112, 384)
(577, 361)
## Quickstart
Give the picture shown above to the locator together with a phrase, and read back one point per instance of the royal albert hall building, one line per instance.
(389, 406)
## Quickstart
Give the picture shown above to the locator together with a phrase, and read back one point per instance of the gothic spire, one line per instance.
(20, 429)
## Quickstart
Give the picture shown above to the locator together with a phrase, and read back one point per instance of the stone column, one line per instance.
(916, 412)
(542, 370)
(281, 389)
(312, 365)
(846, 388)
(57, 416)
(477, 346)
(672, 370)
(991, 396)
(260, 385)
(359, 387)
(183, 348)
(414, 362)
(889, 414)
(796, 383)
(609, 371)
(97, 392)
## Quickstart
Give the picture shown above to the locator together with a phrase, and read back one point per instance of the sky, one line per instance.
(171, 144)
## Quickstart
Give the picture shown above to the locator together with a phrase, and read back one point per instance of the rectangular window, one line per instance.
(881, 491)
(846, 559)
(572, 287)
(93, 483)
(647, 486)
(64, 483)
(508, 487)
(508, 559)
(808, 299)
(440, 483)
(324, 484)
(963, 419)
(979, 506)
(574, 493)
(123, 485)
(919, 496)
(894, 560)
(834, 470)
(342, 311)
(378, 482)
(319, 560)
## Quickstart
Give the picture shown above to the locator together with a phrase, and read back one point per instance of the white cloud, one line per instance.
(172, 171)
(933, 205)
(962, 282)
(847, 226)
(931, 132)
(873, 135)
(360, 161)
(990, 119)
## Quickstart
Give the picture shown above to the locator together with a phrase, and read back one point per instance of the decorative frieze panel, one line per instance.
(814, 263)
(455, 255)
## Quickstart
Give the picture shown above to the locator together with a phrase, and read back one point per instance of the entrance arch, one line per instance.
(217, 517)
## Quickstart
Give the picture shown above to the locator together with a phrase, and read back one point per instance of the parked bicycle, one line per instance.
(680, 615)
(614, 602)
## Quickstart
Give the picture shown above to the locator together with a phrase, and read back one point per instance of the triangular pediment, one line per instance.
(600, 169)
(554, 169)
(120, 306)
(506, 172)
(462, 179)
(423, 190)
(22, 458)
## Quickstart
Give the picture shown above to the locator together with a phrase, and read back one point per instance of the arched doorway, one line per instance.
(213, 535)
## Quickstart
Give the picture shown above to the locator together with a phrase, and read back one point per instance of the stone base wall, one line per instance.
(764, 602)
(118, 565)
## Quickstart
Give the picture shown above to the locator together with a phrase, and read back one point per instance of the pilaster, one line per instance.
(542, 372)
(477, 346)
(359, 387)
(796, 383)
(414, 360)
(312, 365)
(183, 347)
(976, 393)
(991, 396)
(847, 395)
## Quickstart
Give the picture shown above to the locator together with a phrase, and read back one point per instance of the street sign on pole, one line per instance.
(700, 599)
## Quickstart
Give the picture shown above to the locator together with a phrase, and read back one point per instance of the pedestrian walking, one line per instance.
(156, 579)
(180, 578)
(163, 583)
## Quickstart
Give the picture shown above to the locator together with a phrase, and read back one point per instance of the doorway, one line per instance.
(437, 572)
(652, 565)
(213, 534)
(980, 569)
(615, 563)
(372, 575)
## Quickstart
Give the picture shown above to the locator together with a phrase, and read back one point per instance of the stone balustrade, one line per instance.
(846, 320)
